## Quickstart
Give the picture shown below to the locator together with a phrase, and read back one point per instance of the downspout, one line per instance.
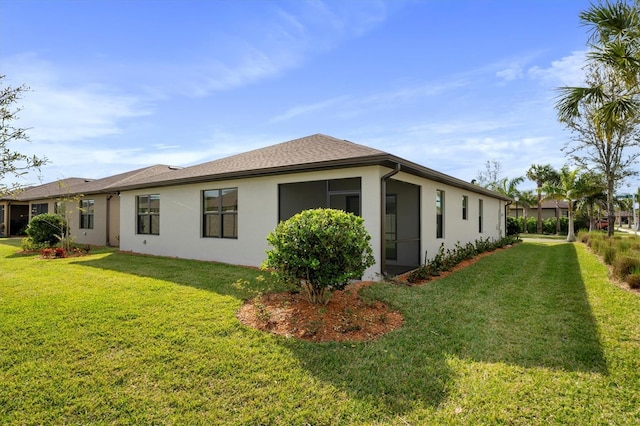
(108, 219)
(383, 217)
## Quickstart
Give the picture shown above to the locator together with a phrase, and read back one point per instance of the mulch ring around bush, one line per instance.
(346, 317)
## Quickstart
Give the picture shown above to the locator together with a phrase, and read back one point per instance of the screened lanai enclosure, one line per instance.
(401, 212)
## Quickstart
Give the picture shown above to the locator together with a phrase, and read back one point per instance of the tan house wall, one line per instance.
(100, 234)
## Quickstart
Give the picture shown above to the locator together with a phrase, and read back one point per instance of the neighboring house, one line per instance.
(223, 210)
(92, 207)
(550, 208)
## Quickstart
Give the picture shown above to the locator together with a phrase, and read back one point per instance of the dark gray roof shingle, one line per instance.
(315, 152)
(298, 153)
(82, 186)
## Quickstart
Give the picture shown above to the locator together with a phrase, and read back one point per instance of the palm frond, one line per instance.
(571, 98)
(610, 20)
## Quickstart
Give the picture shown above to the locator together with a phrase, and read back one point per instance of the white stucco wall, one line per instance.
(181, 217)
(455, 228)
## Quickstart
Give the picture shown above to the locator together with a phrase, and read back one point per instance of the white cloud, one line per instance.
(57, 111)
(510, 74)
(459, 127)
(348, 106)
(284, 41)
(310, 108)
(567, 71)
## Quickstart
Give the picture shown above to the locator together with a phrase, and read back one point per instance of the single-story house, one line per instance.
(223, 210)
(549, 209)
(91, 206)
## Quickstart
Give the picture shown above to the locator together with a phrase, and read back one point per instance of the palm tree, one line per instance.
(508, 187)
(624, 205)
(596, 198)
(571, 186)
(527, 200)
(540, 174)
(608, 104)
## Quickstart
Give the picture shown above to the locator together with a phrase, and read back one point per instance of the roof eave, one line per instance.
(386, 160)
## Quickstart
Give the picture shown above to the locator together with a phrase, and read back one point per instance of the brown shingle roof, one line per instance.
(298, 154)
(75, 186)
(315, 152)
(309, 153)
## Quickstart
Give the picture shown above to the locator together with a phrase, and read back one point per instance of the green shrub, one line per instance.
(532, 225)
(549, 225)
(583, 237)
(28, 245)
(320, 250)
(609, 254)
(625, 265)
(513, 225)
(445, 260)
(633, 280)
(46, 229)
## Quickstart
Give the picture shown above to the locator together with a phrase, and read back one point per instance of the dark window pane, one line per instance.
(229, 200)
(143, 224)
(154, 204)
(211, 201)
(212, 225)
(230, 226)
(155, 224)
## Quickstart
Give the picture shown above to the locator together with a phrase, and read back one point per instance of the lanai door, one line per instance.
(402, 227)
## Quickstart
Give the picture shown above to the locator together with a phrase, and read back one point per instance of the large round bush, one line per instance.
(320, 250)
(46, 228)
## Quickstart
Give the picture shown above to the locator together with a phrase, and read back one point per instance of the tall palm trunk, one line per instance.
(539, 227)
(610, 214)
(571, 237)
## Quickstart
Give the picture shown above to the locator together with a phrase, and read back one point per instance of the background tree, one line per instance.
(570, 186)
(603, 116)
(12, 162)
(527, 200)
(624, 205)
(509, 187)
(490, 176)
(541, 174)
(596, 199)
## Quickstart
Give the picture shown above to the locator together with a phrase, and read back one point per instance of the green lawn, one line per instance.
(531, 335)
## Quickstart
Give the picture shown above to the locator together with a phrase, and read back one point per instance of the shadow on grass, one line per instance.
(13, 242)
(526, 306)
(224, 279)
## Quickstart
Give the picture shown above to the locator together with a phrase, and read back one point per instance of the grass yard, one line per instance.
(531, 335)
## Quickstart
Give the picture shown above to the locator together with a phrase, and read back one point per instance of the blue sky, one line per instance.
(123, 84)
